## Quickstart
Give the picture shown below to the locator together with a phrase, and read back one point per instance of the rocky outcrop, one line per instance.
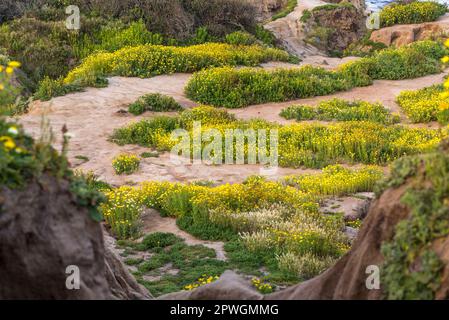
(333, 29)
(265, 8)
(302, 38)
(230, 286)
(289, 32)
(122, 285)
(400, 35)
(43, 232)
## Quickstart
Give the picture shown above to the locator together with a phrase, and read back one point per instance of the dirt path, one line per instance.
(288, 30)
(384, 91)
(91, 117)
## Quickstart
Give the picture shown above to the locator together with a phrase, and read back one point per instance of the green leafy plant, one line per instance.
(412, 269)
(240, 38)
(342, 110)
(126, 163)
(154, 102)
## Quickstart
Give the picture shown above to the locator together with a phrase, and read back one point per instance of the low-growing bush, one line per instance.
(154, 102)
(9, 92)
(424, 105)
(122, 212)
(337, 180)
(240, 38)
(412, 12)
(151, 60)
(159, 240)
(49, 88)
(312, 145)
(234, 88)
(126, 163)
(306, 266)
(341, 110)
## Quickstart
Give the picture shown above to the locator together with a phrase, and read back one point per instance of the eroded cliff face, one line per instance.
(333, 29)
(42, 232)
(265, 8)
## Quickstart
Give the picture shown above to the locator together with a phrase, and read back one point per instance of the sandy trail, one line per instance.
(91, 117)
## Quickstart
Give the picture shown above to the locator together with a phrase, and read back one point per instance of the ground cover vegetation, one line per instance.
(425, 105)
(404, 12)
(235, 88)
(341, 110)
(312, 145)
(273, 224)
(154, 102)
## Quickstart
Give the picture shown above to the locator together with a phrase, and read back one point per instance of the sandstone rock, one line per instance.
(122, 284)
(42, 231)
(334, 29)
(400, 35)
(229, 287)
(267, 7)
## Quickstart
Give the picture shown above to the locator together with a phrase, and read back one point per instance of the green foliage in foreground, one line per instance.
(413, 12)
(24, 160)
(341, 110)
(412, 269)
(235, 88)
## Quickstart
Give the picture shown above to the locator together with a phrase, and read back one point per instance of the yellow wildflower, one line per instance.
(14, 64)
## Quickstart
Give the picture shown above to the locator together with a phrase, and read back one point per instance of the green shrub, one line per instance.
(265, 36)
(240, 38)
(49, 88)
(299, 113)
(126, 163)
(424, 105)
(234, 88)
(341, 110)
(159, 240)
(114, 36)
(413, 12)
(151, 60)
(154, 102)
(306, 15)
